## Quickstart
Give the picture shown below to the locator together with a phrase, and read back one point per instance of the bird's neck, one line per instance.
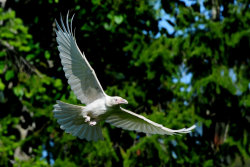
(108, 101)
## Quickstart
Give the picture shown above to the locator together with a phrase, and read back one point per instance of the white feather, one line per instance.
(80, 70)
(128, 120)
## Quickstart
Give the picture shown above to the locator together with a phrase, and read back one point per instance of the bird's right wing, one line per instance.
(81, 77)
(128, 120)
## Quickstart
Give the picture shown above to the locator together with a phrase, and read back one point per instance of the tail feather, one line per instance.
(76, 131)
(70, 118)
(89, 133)
(84, 128)
(81, 134)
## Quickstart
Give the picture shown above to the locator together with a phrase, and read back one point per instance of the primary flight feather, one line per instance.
(82, 121)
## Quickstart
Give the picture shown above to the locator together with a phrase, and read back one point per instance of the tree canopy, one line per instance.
(176, 62)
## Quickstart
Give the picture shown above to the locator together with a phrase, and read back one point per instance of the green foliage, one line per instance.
(136, 59)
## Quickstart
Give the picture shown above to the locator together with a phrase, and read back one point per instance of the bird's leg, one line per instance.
(89, 121)
(87, 118)
(92, 123)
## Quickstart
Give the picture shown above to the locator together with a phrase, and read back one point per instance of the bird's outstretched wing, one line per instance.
(131, 121)
(81, 77)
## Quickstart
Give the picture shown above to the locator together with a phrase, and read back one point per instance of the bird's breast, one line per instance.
(96, 108)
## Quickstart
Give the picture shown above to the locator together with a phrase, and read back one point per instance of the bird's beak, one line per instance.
(123, 101)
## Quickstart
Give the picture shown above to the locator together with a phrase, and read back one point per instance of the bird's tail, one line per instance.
(70, 118)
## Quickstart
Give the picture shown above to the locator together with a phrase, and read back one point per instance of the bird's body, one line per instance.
(83, 121)
(99, 109)
(96, 108)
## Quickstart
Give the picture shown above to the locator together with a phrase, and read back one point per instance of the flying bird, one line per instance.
(83, 121)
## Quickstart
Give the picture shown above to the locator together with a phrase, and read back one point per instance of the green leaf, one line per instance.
(30, 57)
(2, 65)
(2, 54)
(47, 54)
(107, 26)
(118, 19)
(96, 2)
(19, 90)
(58, 84)
(2, 86)
(9, 75)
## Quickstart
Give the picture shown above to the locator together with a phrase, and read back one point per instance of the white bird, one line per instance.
(83, 121)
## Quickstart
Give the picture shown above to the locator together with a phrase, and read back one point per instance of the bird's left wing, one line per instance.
(128, 120)
(81, 77)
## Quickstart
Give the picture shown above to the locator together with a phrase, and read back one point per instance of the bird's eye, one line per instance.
(115, 99)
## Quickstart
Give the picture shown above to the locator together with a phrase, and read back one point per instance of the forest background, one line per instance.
(177, 62)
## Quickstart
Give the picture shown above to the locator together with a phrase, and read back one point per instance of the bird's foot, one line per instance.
(87, 118)
(92, 123)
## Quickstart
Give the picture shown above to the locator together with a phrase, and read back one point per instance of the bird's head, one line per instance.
(116, 100)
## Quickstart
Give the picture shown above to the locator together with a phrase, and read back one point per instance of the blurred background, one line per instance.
(177, 62)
